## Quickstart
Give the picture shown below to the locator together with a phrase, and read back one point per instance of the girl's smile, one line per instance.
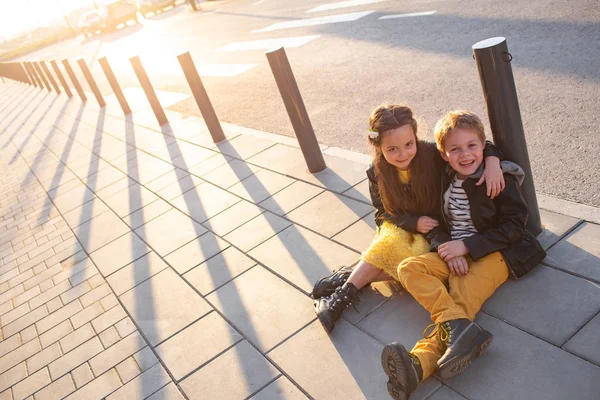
(399, 146)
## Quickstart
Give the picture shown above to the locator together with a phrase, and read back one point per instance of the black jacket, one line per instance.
(406, 221)
(500, 223)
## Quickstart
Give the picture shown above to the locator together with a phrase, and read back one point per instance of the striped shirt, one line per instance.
(458, 211)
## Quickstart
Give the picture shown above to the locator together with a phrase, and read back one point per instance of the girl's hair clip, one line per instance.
(373, 134)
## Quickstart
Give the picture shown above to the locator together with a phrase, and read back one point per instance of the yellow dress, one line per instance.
(392, 244)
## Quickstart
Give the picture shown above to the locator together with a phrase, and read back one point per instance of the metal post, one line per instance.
(288, 88)
(499, 91)
(41, 75)
(71, 74)
(50, 77)
(114, 84)
(90, 80)
(25, 73)
(140, 72)
(35, 75)
(199, 92)
(61, 78)
(31, 78)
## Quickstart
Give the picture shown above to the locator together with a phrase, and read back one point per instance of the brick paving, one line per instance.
(146, 262)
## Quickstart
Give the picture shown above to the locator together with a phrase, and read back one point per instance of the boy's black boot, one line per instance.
(403, 369)
(465, 340)
(326, 286)
(329, 309)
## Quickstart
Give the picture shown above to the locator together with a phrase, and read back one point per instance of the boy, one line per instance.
(479, 243)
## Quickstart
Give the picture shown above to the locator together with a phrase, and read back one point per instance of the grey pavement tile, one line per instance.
(360, 192)
(115, 188)
(19, 355)
(99, 387)
(100, 231)
(75, 358)
(170, 231)
(163, 305)
(149, 170)
(445, 393)
(82, 375)
(372, 296)
(73, 199)
(234, 216)
(302, 256)
(25, 321)
(144, 385)
(179, 187)
(196, 252)
(261, 185)
(218, 270)
(31, 384)
(127, 369)
(348, 361)
(147, 213)
(76, 338)
(136, 272)
(209, 164)
(85, 212)
(167, 179)
(12, 376)
(104, 178)
(185, 155)
(257, 230)
(548, 303)
(578, 252)
(113, 355)
(130, 200)
(188, 350)
(281, 389)
(9, 344)
(521, 359)
(585, 342)
(359, 235)
(169, 392)
(329, 213)
(236, 374)
(243, 146)
(555, 225)
(204, 201)
(260, 314)
(230, 173)
(119, 253)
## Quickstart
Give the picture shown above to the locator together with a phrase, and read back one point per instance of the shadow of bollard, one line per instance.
(114, 84)
(288, 88)
(91, 82)
(199, 92)
(61, 78)
(140, 72)
(41, 75)
(71, 74)
(50, 77)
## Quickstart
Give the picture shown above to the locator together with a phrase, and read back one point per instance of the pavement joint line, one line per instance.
(569, 272)
(263, 387)
(228, 281)
(580, 328)
(567, 233)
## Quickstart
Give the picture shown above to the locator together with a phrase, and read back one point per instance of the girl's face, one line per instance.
(399, 146)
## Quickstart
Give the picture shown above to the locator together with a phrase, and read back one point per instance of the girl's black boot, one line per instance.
(329, 309)
(326, 286)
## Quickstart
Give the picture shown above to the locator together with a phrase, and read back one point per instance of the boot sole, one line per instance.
(394, 362)
(327, 325)
(461, 362)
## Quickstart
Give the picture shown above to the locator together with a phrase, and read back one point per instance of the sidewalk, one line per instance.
(140, 263)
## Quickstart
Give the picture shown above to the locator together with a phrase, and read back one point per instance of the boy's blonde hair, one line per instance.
(457, 119)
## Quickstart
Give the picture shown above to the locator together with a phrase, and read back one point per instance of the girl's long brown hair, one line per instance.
(423, 181)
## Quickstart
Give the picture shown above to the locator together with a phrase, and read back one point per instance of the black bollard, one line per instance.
(500, 94)
(61, 78)
(71, 74)
(288, 88)
(91, 82)
(140, 72)
(114, 84)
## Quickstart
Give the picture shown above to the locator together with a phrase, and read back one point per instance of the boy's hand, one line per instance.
(425, 224)
(458, 266)
(493, 177)
(452, 249)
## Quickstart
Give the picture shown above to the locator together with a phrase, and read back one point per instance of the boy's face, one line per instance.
(464, 151)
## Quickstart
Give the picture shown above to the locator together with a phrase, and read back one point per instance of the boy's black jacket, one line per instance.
(500, 223)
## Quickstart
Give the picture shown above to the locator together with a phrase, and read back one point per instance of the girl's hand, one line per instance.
(458, 266)
(452, 249)
(425, 224)
(493, 177)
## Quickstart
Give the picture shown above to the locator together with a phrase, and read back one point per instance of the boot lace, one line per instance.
(338, 304)
(443, 330)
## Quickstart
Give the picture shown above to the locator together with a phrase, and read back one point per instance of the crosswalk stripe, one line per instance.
(331, 19)
(418, 14)
(268, 44)
(343, 4)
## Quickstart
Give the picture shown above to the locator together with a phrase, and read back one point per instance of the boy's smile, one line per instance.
(399, 146)
(464, 151)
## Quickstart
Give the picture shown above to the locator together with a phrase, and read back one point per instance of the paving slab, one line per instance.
(302, 256)
(204, 201)
(209, 164)
(259, 313)
(196, 252)
(167, 179)
(585, 342)
(179, 187)
(520, 358)
(257, 230)
(100, 231)
(170, 231)
(101, 179)
(329, 213)
(73, 199)
(445, 393)
(236, 374)
(163, 305)
(579, 252)
(547, 303)
(233, 217)
(135, 273)
(282, 389)
(372, 296)
(360, 192)
(169, 392)
(243, 146)
(261, 185)
(119, 253)
(230, 173)
(188, 350)
(359, 235)
(147, 213)
(555, 226)
(85, 212)
(130, 199)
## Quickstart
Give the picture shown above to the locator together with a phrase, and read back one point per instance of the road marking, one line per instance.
(224, 70)
(419, 14)
(331, 19)
(343, 4)
(268, 44)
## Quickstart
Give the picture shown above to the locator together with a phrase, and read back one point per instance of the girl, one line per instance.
(403, 184)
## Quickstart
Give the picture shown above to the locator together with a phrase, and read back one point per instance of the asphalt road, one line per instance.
(345, 69)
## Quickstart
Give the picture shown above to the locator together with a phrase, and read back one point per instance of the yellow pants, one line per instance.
(447, 296)
(391, 246)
